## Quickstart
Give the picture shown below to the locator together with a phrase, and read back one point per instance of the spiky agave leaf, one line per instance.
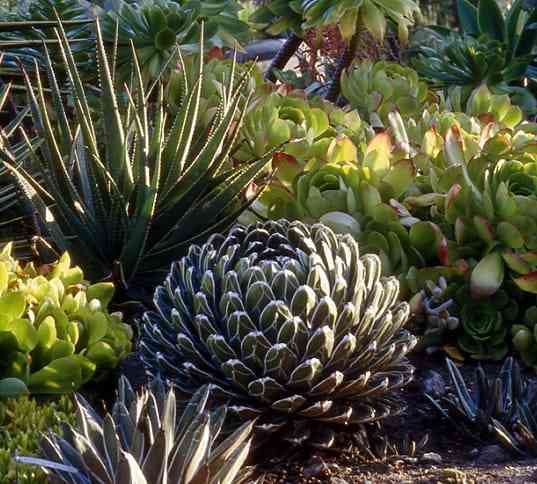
(288, 322)
(146, 440)
(493, 400)
(130, 191)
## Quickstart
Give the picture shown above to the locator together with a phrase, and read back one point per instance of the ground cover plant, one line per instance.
(249, 274)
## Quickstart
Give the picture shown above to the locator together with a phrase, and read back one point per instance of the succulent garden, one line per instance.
(260, 241)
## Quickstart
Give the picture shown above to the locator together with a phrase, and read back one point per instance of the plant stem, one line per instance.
(282, 58)
(344, 62)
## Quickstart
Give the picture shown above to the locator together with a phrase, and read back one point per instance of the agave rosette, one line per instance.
(288, 322)
(147, 438)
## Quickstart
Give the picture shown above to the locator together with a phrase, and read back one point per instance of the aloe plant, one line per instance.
(129, 190)
(494, 400)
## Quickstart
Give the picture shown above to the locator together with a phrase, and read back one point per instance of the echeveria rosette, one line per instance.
(333, 187)
(376, 89)
(55, 329)
(484, 334)
(282, 123)
(155, 28)
(288, 323)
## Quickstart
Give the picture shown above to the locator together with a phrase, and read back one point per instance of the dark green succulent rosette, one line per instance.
(484, 333)
(289, 323)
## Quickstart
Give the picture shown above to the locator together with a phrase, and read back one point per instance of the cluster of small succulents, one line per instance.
(55, 329)
(292, 323)
(448, 194)
(22, 422)
(377, 89)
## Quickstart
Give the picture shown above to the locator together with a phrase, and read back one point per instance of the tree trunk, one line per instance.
(344, 62)
(282, 58)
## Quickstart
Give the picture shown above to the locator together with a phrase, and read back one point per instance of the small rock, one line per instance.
(431, 458)
(433, 384)
(409, 460)
(492, 454)
(380, 466)
(337, 480)
(454, 475)
(315, 467)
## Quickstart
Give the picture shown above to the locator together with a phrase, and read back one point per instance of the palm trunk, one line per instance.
(344, 62)
(282, 58)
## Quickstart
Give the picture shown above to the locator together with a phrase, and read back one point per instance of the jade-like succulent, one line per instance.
(287, 322)
(146, 439)
(376, 89)
(55, 329)
(525, 336)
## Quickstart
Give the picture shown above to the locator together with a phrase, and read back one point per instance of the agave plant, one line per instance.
(146, 440)
(289, 323)
(493, 400)
(500, 408)
(134, 188)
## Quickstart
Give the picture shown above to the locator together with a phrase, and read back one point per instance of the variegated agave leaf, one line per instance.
(145, 440)
(288, 322)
